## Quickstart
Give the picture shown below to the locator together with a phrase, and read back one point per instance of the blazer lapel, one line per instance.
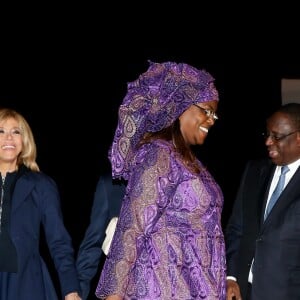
(22, 189)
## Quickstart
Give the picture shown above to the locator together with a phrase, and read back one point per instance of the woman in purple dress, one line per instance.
(168, 242)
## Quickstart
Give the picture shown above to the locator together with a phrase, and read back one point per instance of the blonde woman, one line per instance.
(29, 199)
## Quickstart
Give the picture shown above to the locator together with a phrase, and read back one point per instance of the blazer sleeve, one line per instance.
(90, 252)
(234, 229)
(245, 221)
(58, 239)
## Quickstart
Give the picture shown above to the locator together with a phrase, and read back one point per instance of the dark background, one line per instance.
(66, 68)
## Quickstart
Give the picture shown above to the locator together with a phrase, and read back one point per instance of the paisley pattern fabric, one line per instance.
(169, 242)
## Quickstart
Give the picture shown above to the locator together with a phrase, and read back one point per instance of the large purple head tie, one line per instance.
(153, 102)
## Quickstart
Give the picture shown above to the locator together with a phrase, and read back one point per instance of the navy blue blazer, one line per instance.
(35, 205)
(274, 244)
(106, 205)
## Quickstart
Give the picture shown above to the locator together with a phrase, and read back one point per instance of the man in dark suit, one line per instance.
(106, 205)
(263, 248)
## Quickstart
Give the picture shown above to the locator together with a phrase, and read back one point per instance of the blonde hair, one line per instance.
(28, 153)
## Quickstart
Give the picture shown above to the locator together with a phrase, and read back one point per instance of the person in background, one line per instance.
(29, 199)
(263, 241)
(106, 206)
(168, 242)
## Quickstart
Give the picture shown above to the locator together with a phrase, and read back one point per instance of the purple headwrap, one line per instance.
(153, 102)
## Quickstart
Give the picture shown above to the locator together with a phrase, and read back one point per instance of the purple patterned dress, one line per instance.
(169, 242)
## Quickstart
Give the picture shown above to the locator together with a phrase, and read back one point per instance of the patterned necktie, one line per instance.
(278, 190)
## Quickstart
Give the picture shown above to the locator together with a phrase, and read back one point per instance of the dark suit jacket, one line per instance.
(275, 243)
(107, 203)
(35, 204)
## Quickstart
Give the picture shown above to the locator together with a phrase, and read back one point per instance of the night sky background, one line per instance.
(66, 70)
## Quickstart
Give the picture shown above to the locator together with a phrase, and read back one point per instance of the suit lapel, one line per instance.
(266, 175)
(288, 195)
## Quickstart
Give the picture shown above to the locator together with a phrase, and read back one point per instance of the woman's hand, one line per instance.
(73, 296)
(113, 297)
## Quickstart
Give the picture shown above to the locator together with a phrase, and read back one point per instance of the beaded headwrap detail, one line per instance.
(153, 102)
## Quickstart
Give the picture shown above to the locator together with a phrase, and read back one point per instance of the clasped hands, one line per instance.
(72, 296)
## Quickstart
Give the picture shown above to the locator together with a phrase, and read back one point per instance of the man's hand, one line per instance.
(233, 290)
